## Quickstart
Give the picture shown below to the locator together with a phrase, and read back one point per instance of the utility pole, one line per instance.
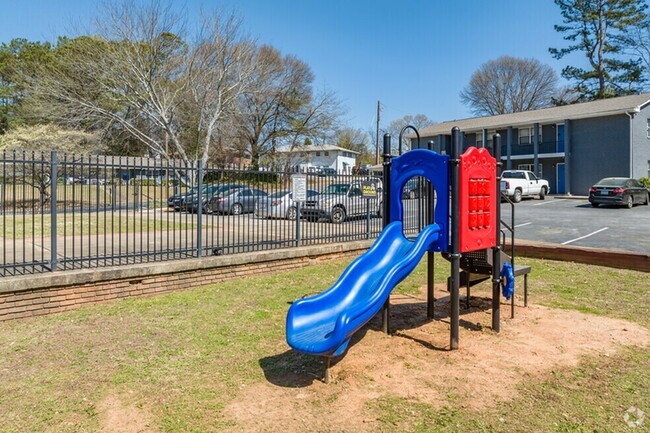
(377, 134)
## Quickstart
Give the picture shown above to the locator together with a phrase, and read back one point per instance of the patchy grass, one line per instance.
(594, 397)
(618, 293)
(87, 223)
(183, 355)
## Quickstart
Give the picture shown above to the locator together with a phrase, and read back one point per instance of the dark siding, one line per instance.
(599, 148)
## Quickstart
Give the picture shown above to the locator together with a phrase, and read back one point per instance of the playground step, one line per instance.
(480, 262)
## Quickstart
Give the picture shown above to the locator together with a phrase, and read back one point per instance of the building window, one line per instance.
(317, 153)
(326, 153)
(479, 139)
(648, 128)
(526, 135)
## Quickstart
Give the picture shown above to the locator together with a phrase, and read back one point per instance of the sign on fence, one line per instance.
(369, 189)
(299, 187)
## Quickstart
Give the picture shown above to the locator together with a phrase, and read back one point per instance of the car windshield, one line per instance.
(337, 188)
(612, 181)
(513, 175)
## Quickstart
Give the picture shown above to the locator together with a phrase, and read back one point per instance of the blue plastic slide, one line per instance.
(323, 324)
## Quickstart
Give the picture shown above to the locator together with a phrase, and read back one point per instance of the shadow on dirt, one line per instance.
(292, 369)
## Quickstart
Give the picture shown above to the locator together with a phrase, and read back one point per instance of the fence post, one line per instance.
(53, 246)
(2, 190)
(454, 253)
(199, 212)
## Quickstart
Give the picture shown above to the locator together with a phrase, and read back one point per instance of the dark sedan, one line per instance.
(191, 203)
(235, 201)
(176, 201)
(621, 191)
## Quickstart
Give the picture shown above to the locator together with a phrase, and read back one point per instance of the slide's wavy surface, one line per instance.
(323, 324)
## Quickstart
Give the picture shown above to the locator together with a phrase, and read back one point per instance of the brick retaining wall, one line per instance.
(41, 294)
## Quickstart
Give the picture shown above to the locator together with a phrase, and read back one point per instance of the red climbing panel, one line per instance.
(478, 200)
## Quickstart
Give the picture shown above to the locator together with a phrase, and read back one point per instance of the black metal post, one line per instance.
(431, 300)
(455, 238)
(199, 212)
(385, 318)
(367, 218)
(399, 145)
(54, 260)
(496, 251)
(298, 240)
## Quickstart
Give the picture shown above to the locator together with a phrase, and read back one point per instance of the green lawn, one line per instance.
(30, 226)
(183, 356)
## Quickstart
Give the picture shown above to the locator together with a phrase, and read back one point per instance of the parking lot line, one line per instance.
(524, 224)
(585, 236)
(542, 203)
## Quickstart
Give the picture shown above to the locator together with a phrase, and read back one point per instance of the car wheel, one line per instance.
(291, 213)
(516, 197)
(647, 199)
(236, 209)
(629, 202)
(542, 193)
(338, 215)
(595, 204)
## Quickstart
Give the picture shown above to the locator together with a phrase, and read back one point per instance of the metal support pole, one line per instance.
(328, 364)
(496, 251)
(385, 317)
(455, 238)
(298, 240)
(54, 260)
(536, 149)
(431, 300)
(199, 212)
(367, 218)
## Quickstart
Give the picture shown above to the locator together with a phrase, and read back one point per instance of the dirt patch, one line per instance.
(415, 363)
(116, 417)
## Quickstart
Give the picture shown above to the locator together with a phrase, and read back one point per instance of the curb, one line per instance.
(591, 256)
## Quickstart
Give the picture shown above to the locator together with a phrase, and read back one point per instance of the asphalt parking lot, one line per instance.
(575, 222)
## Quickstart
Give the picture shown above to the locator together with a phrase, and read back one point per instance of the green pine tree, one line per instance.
(597, 28)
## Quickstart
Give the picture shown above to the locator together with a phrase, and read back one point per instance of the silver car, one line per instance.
(235, 201)
(279, 205)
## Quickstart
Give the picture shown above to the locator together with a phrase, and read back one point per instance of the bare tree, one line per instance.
(509, 85)
(221, 69)
(279, 109)
(139, 75)
(312, 122)
(419, 121)
(357, 140)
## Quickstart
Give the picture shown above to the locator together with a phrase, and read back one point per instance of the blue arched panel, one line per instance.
(435, 168)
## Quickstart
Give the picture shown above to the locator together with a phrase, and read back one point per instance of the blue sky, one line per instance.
(413, 55)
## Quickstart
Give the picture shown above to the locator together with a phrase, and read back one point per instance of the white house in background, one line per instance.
(315, 157)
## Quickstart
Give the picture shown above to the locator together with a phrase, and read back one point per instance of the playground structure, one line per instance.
(464, 224)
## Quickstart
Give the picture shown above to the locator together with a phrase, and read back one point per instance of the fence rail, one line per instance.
(68, 212)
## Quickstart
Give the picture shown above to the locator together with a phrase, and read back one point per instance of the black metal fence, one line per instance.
(66, 212)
